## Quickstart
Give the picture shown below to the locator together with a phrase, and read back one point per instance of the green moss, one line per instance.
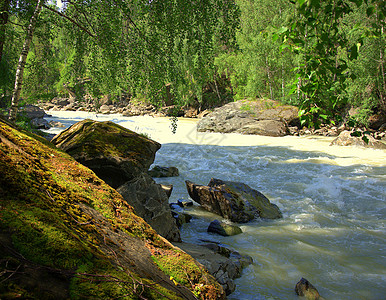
(44, 193)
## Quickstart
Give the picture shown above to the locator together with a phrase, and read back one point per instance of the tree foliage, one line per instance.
(323, 56)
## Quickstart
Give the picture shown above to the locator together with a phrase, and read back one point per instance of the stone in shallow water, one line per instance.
(305, 289)
(224, 229)
(234, 201)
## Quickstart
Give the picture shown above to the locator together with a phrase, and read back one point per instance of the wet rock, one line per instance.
(158, 172)
(305, 289)
(235, 201)
(225, 268)
(151, 203)
(40, 123)
(114, 153)
(181, 218)
(184, 203)
(168, 189)
(346, 139)
(262, 117)
(223, 229)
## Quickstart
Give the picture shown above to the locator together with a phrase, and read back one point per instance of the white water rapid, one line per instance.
(332, 198)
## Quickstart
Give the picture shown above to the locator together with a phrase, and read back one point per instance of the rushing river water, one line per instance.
(332, 198)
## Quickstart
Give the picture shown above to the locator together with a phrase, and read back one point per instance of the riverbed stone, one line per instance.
(234, 201)
(223, 228)
(225, 268)
(114, 153)
(168, 189)
(305, 289)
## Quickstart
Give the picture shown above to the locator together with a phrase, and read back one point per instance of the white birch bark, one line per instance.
(22, 61)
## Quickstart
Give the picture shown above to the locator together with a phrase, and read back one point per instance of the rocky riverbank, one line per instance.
(261, 117)
(65, 233)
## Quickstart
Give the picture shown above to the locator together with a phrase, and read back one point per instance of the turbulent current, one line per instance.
(332, 198)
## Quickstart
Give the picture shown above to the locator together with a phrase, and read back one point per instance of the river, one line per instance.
(332, 198)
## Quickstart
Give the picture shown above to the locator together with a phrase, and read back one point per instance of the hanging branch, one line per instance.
(82, 12)
(71, 20)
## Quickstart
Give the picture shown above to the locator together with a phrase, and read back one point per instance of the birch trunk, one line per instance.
(22, 61)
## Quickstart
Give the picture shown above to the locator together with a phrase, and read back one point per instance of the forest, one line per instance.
(326, 57)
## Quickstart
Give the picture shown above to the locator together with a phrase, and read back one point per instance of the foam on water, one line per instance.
(333, 230)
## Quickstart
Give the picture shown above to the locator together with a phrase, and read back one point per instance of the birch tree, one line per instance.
(22, 61)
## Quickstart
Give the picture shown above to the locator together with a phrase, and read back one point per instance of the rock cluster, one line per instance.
(122, 158)
(223, 263)
(124, 106)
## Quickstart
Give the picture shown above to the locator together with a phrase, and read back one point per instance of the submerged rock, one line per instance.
(262, 117)
(114, 153)
(305, 289)
(346, 139)
(223, 229)
(151, 203)
(235, 201)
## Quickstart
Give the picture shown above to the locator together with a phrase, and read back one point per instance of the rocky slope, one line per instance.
(65, 233)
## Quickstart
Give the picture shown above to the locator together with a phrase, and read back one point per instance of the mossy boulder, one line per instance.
(261, 117)
(114, 153)
(234, 201)
(66, 234)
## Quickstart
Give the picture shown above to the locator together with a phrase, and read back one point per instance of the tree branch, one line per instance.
(71, 20)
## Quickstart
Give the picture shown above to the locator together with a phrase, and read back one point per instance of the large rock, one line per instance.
(32, 111)
(262, 117)
(114, 153)
(346, 139)
(150, 202)
(235, 201)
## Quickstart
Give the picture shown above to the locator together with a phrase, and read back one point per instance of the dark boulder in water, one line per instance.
(305, 289)
(234, 201)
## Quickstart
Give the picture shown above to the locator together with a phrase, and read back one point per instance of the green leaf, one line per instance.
(324, 117)
(301, 2)
(353, 52)
(356, 133)
(370, 10)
